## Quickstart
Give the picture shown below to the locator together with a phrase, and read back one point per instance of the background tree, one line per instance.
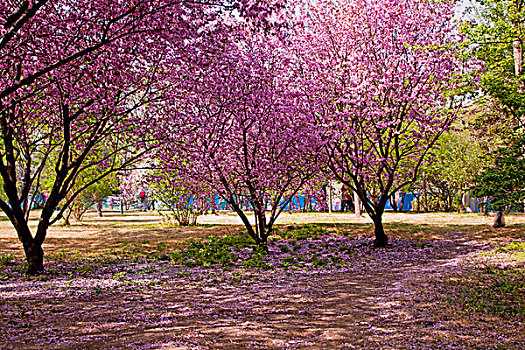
(450, 175)
(89, 196)
(186, 199)
(381, 72)
(502, 183)
(496, 32)
(88, 188)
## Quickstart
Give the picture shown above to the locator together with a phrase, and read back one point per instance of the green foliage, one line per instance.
(494, 26)
(257, 261)
(421, 244)
(283, 248)
(92, 184)
(348, 250)
(304, 232)
(504, 182)
(186, 201)
(457, 160)
(514, 247)
(495, 32)
(92, 194)
(85, 269)
(214, 251)
(319, 262)
(6, 259)
(495, 291)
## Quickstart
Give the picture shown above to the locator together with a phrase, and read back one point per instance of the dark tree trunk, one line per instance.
(263, 240)
(381, 239)
(263, 228)
(450, 199)
(35, 258)
(499, 221)
(32, 245)
(393, 202)
(424, 193)
(66, 218)
(402, 204)
(249, 228)
(251, 232)
(486, 206)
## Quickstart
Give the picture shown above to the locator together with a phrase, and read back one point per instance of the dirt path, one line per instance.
(390, 305)
(387, 308)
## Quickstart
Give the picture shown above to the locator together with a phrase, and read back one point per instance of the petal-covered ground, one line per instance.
(317, 287)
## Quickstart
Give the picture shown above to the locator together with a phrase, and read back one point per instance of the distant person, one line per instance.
(143, 201)
(98, 207)
(346, 200)
(324, 188)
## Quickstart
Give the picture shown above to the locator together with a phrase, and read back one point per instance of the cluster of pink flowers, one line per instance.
(250, 99)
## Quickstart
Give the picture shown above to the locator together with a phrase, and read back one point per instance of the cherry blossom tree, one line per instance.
(378, 73)
(240, 129)
(184, 198)
(79, 74)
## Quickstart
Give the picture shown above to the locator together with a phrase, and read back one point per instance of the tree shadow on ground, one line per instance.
(374, 307)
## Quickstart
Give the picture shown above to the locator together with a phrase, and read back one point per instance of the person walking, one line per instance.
(346, 200)
(143, 200)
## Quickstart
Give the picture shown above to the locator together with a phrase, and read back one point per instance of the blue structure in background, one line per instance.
(297, 203)
(410, 197)
(407, 204)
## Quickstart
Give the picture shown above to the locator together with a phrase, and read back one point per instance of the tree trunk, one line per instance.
(329, 196)
(424, 193)
(486, 206)
(357, 205)
(32, 245)
(381, 239)
(35, 258)
(462, 201)
(402, 202)
(249, 228)
(263, 229)
(393, 202)
(517, 50)
(499, 221)
(66, 218)
(263, 239)
(251, 232)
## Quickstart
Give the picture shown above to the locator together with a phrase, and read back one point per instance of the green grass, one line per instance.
(214, 250)
(515, 251)
(512, 248)
(6, 259)
(303, 232)
(492, 290)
